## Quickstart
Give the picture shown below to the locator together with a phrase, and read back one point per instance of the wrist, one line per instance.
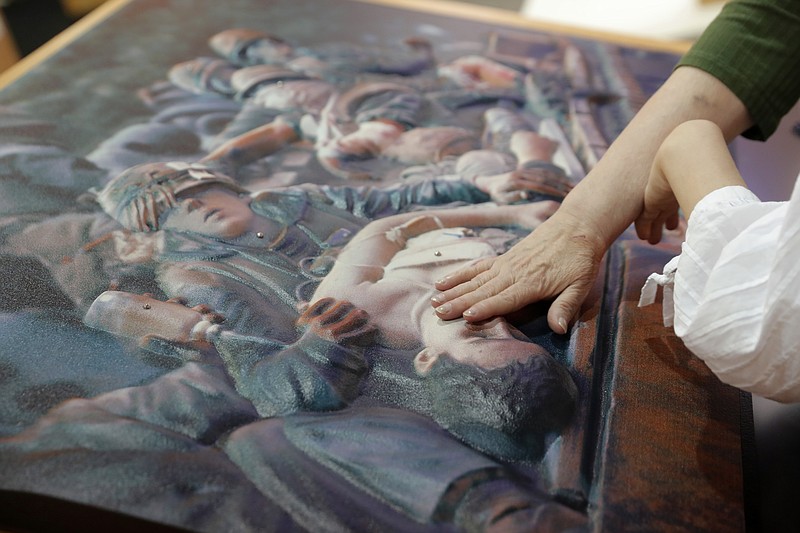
(577, 225)
(602, 223)
(694, 161)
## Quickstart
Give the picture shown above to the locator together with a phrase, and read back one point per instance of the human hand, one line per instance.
(660, 208)
(518, 185)
(559, 259)
(531, 146)
(338, 321)
(692, 162)
(528, 216)
(479, 72)
(139, 316)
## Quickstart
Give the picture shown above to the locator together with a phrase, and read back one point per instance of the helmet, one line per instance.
(138, 196)
(250, 47)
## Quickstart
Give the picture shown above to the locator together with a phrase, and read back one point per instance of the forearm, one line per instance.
(608, 200)
(694, 161)
(753, 46)
(363, 259)
(313, 374)
(416, 223)
(380, 240)
(468, 216)
(254, 144)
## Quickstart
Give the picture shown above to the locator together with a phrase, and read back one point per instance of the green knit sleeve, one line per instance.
(753, 47)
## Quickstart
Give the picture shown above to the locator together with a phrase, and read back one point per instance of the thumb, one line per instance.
(565, 307)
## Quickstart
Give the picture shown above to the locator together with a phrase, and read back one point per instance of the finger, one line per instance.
(642, 229)
(491, 295)
(314, 310)
(354, 318)
(500, 303)
(649, 226)
(335, 313)
(643, 225)
(565, 307)
(353, 323)
(463, 275)
(672, 221)
(540, 187)
(656, 229)
(452, 302)
(361, 337)
(546, 179)
(510, 197)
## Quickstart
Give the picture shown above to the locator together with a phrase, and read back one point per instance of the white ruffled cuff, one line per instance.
(667, 280)
(721, 199)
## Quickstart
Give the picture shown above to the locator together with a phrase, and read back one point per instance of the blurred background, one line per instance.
(30, 23)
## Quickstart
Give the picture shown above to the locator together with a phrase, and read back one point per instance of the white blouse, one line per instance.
(734, 291)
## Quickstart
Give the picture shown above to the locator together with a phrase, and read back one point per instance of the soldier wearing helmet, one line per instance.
(253, 256)
(140, 195)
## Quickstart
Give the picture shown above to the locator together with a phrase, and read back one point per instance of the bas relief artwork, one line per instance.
(216, 310)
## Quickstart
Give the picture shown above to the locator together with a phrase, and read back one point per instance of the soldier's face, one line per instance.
(491, 344)
(213, 211)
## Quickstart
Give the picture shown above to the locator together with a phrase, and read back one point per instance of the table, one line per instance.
(163, 433)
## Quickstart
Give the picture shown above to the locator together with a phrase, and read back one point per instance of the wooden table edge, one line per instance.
(60, 41)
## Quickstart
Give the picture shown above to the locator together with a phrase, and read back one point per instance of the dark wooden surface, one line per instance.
(671, 430)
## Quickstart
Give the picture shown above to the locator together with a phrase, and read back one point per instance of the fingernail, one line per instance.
(469, 312)
(441, 280)
(443, 309)
(563, 324)
(437, 298)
